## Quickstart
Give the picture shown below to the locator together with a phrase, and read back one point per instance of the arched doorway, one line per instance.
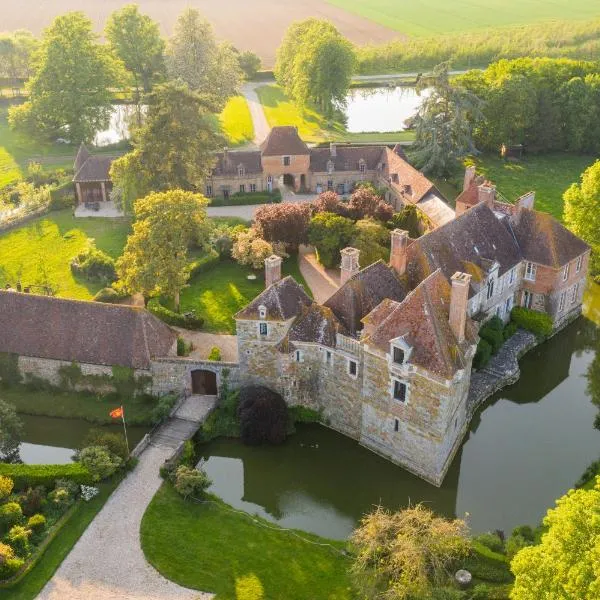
(204, 383)
(289, 180)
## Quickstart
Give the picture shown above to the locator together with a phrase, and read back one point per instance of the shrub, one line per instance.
(487, 565)
(108, 295)
(191, 482)
(183, 348)
(9, 369)
(249, 63)
(510, 330)
(215, 353)
(18, 539)
(99, 462)
(173, 318)
(330, 202)
(10, 514)
(6, 487)
(365, 202)
(36, 522)
(411, 219)
(223, 421)
(60, 499)
(329, 234)
(163, 408)
(514, 544)
(114, 442)
(250, 250)
(263, 416)
(491, 541)
(9, 563)
(372, 239)
(493, 333)
(482, 354)
(32, 500)
(26, 476)
(525, 531)
(532, 320)
(208, 262)
(94, 265)
(303, 414)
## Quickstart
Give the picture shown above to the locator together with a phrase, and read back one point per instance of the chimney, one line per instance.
(349, 264)
(469, 177)
(272, 269)
(458, 304)
(486, 192)
(398, 251)
(332, 149)
(525, 201)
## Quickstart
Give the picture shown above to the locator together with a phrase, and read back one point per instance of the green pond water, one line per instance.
(526, 446)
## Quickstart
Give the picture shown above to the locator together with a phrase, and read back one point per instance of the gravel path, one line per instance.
(261, 126)
(323, 283)
(107, 563)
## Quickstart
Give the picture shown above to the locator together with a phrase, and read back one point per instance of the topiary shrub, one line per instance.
(6, 487)
(537, 322)
(10, 514)
(94, 265)
(108, 295)
(173, 318)
(26, 476)
(482, 354)
(36, 523)
(215, 353)
(191, 482)
(491, 541)
(9, 563)
(263, 416)
(18, 539)
(114, 442)
(99, 462)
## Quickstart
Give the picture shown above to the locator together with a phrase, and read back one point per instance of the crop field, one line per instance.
(432, 17)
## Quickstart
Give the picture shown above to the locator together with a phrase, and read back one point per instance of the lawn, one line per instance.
(435, 17)
(548, 174)
(236, 121)
(47, 245)
(217, 294)
(209, 547)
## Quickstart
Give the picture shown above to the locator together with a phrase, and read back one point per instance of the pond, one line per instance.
(525, 448)
(122, 117)
(381, 109)
(48, 440)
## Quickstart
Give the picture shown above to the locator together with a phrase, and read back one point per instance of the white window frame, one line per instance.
(262, 312)
(330, 167)
(511, 277)
(252, 187)
(262, 326)
(566, 272)
(489, 292)
(362, 167)
(562, 301)
(404, 354)
(395, 381)
(241, 171)
(530, 271)
(350, 361)
(508, 305)
(575, 293)
(578, 264)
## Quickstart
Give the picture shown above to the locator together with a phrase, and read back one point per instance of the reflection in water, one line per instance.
(122, 118)
(526, 447)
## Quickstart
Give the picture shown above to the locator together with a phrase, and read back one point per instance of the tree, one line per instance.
(582, 211)
(579, 110)
(566, 563)
(70, 89)
(330, 202)
(444, 123)
(136, 40)
(174, 148)
(406, 554)
(155, 260)
(250, 63)
(11, 429)
(365, 202)
(315, 64)
(372, 239)
(249, 249)
(195, 58)
(329, 234)
(286, 222)
(16, 51)
(263, 416)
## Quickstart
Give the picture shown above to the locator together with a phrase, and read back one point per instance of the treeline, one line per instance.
(576, 40)
(546, 104)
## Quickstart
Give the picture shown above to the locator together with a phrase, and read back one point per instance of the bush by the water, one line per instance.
(191, 482)
(537, 322)
(482, 354)
(173, 318)
(26, 476)
(492, 541)
(223, 421)
(114, 442)
(492, 333)
(163, 408)
(487, 565)
(100, 462)
(263, 416)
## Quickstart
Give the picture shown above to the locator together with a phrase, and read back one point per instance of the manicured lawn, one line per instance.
(60, 546)
(437, 16)
(50, 242)
(548, 174)
(211, 548)
(73, 405)
(237, 121)
(217, 294)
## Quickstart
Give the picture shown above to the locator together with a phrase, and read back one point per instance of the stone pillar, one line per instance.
(272, 269)
(398, 251)
(78, 190)
(350, 264)
(103, 188)
(469, 177)
(486, 192)
(458, 304)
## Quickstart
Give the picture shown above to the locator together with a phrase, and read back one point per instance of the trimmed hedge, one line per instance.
(173, 318)
(25, 476)
(241, 199)
(204, 264)
(487, 565)
(537, 322)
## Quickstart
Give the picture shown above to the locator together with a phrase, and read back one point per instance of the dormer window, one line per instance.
(530, 271)
(330, 166)
(241, 170)
(362, 166)
(262, 312)
(398, 355)
(490, 288)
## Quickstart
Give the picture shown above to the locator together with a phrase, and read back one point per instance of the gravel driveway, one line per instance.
(107, 563)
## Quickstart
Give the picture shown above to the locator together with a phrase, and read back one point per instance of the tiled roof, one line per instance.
(283, 141)
(82, 155)
(545, 241)
(282, 300)
(94, 168)
(84, 332)
(316, 324)
(422, 320)
(363, 292)
(228, 162)
(347, 158)
(407, 181)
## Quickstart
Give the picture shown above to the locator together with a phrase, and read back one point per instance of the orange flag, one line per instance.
(117, 413)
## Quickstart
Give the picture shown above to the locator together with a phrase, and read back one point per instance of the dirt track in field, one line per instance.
(256, 25)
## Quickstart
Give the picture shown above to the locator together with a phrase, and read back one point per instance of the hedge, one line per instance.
(537, 322)
(487, 565)
(26, 476)
(204, 264)
(241, 199)
(62, 196)
(173, 318)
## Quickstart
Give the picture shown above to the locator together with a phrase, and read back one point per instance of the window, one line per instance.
(511, 276)
(490, 288)
(270, 179)
(578, 265)
(262, 312)
(399, 391)
(566, 272)
(209, 191)
(362, 167)
(252, 187)
(328, 357)
(530, 270)
(352, 368)
(241, 171)
(330, 185)
(242, 188)
(574, 293)
(262, 328)
(396, 424)
(499, 312)
(508, 305)
(286, 161)
(527, 299)
(398, 355)
(330, 166)
(226, 194)
(298, 356)
(561, 301)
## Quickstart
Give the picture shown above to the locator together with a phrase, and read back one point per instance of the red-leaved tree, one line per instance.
(330, 202)
(366, 203)
(286, 222)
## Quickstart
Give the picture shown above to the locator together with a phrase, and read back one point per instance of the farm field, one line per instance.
(432, 17)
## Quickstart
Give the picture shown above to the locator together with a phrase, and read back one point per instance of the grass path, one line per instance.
(236, 121)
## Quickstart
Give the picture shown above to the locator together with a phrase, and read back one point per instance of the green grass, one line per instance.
(210, 548)
(75, 405)
(50, 242)
(236, 121)
(217, 294)
(548, 174)
(438, 16)
(60, 546)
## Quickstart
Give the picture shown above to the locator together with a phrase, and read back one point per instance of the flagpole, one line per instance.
(125, 429)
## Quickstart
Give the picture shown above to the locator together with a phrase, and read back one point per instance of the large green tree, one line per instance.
(174, 148)
(195, 58)
(70, 89)
(329, 234)
(315, 64)
(16, 50)
(136, 40)
(155, 259)
(566, 563)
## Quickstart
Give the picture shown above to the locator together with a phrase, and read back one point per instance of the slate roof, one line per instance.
(283, 300)
(84, 332)
(347, 158)
(227, 162)
(316, 324)
(283, 141)
(409, 182)
(422, 320)
(363, 292)
(90, 168)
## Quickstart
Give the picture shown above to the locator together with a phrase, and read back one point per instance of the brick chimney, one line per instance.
(349, 264)
(525, 201)
(486, 192)
(469, 177)
(272, 269)
(458, 304)
(398, 251)
(332, 149)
